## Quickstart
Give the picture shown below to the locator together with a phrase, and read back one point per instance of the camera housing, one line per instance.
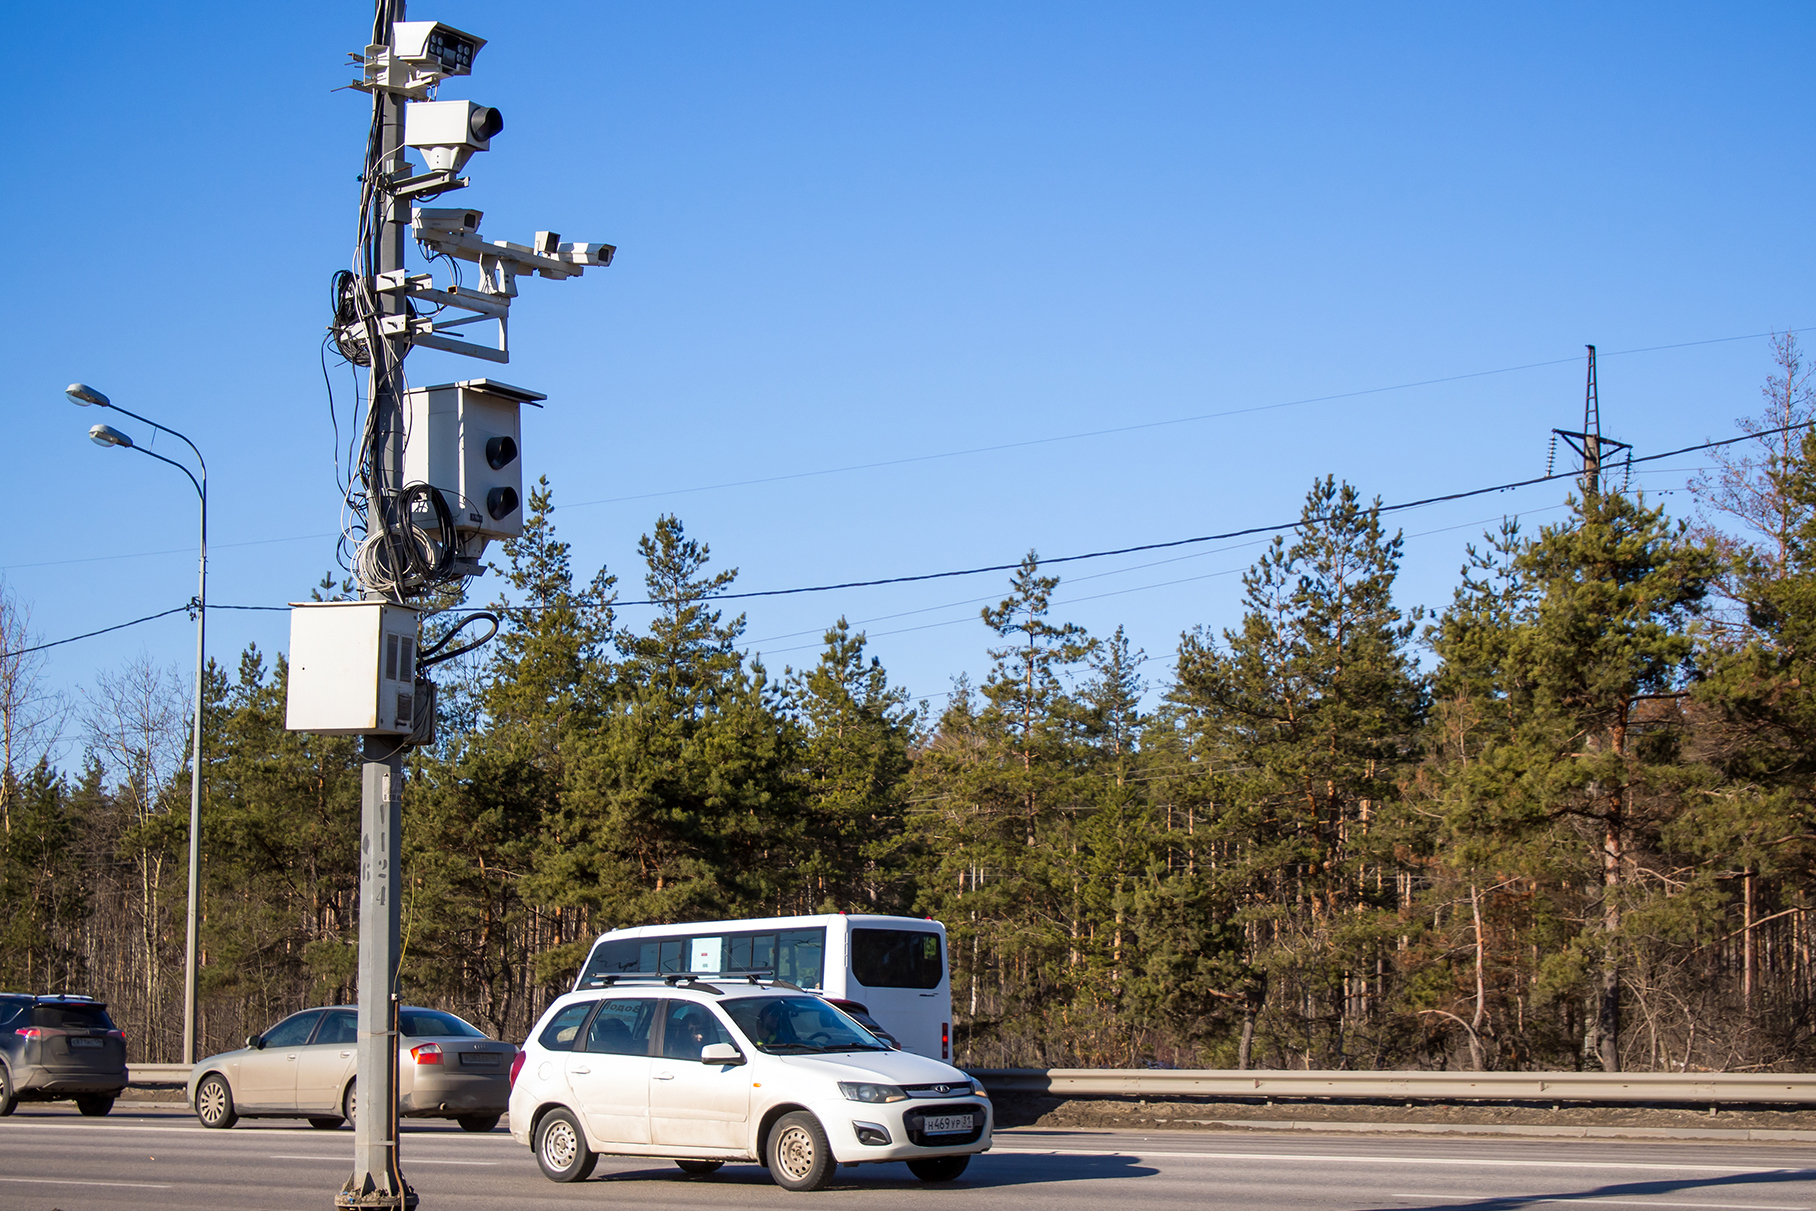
(441, 48)
(449, 132)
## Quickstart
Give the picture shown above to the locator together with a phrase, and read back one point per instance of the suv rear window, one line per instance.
(71, 1017)
(896, 958)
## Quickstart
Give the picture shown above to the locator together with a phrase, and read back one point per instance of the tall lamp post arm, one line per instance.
(162, 429)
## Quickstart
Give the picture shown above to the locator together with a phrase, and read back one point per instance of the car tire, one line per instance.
(800, 1158)
(214, 1102)
(561, 1148)
(8, 1101)
(478, 1124)
(326, 1123)
(350, 1102)
(94, 1105)
(939, 1168)
(700, 1168)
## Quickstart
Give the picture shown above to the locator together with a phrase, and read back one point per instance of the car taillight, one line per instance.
(516, 1067)
(945, 1040)
(30, 1032)
(427, 1053)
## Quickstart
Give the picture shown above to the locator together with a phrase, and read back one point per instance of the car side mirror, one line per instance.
(720, 1053)
(256, 1042)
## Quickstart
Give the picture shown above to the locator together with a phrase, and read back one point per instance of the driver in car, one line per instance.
(774, 1026)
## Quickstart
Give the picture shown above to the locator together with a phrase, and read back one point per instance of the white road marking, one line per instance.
(1485, 1162)
(64, 1181)
(343, 1160)
(1622, 1202)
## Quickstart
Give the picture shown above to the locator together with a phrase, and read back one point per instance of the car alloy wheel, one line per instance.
(214, 1103)
(800, 1158)
(350, 1102)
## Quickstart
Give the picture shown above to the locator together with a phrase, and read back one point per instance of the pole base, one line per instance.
(371, 1197)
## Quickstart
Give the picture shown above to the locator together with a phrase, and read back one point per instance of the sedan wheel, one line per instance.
(800, 1158)
(350, 1102)
(214, 1103)
(561, 1148)
(325, 1124)
(94, 1105)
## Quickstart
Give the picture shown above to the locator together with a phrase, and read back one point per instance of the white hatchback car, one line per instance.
(708, 1072)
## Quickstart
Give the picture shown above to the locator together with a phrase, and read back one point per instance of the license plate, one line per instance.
(945, 1124)
(479, 1059)
(86, 1042)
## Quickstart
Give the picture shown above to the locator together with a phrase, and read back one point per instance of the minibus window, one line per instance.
(801, 954)
(896, 958)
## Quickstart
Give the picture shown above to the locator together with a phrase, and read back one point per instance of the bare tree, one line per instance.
(31, 715)
(1741, 502)
(137, 724)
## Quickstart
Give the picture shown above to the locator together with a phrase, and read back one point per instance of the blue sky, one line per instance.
(853, 234)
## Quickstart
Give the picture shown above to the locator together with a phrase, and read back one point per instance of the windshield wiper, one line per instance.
(789, 1049)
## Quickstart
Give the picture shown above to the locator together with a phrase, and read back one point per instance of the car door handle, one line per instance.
(345, 1054)
(664, 1076)
(580, 1068)
(290, 1057)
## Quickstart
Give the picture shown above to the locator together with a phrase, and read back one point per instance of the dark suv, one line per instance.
(59, 1047)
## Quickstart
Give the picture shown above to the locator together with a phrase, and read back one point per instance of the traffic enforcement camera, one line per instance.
(464, 438)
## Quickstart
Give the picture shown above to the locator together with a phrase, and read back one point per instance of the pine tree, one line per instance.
(1305, 717)
(857, 731)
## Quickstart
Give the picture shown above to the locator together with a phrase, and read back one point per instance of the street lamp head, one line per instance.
(107, 435)
(83, 394)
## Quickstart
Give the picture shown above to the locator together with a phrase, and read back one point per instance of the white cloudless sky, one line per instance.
(853, 235)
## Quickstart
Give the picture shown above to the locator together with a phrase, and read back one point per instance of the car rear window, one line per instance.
(563, 1030)
(72, 1017)
(896, 958)
(431, 1023)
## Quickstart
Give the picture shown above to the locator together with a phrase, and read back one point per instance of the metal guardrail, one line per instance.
(1700, 1088)
(158, 1074)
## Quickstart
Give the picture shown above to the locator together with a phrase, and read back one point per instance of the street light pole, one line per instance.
(103, 435)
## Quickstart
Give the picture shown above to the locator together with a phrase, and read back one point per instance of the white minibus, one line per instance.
(894, 966)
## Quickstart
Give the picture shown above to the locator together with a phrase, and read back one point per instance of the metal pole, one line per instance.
(377, 1179)
(195, 792)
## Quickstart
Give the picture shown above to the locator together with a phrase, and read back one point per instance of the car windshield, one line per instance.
(430, 1023)
(798, 1026)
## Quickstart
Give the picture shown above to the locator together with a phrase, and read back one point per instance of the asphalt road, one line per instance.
(52, 1158)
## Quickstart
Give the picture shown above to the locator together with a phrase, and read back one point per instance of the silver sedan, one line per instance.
(303, 1067)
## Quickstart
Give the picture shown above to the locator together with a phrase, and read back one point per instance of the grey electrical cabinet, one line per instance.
(466, 439)
(352, 668)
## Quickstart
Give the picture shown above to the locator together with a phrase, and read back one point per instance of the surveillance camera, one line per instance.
(430, 43)
(449, 132)
(445, 218)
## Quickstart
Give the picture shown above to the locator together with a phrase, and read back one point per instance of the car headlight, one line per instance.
(857, 1092)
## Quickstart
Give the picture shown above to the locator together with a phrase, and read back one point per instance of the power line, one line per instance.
(1243, 533)
(188, 605)
(1006, 567)
(1157, 424)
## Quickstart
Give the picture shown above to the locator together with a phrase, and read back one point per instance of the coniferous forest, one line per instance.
(1564, 820)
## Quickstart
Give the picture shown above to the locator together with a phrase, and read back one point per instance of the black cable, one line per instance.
(427, 657)
(1182, 542)
(187, 605)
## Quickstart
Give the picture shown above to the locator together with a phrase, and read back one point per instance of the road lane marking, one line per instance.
(64, 1181)
(1623, 1202)
(342, 1160)
(1402, 1160)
